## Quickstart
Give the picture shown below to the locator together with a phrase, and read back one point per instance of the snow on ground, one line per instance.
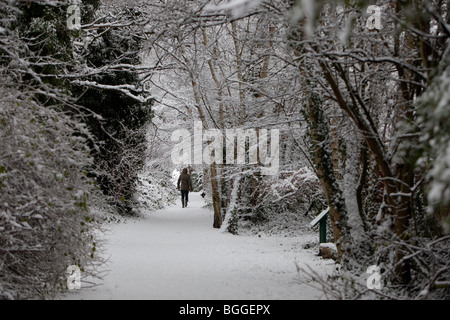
(175, 253)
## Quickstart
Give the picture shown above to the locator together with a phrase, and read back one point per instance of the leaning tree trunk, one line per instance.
(215, 196)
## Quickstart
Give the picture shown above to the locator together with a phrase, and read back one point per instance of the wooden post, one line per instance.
(321, 219)
(323, 230)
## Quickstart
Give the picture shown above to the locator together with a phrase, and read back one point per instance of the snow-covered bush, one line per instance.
(46, 222)
(48, 199)
(155, 190)
(434, 117)
(278, 204)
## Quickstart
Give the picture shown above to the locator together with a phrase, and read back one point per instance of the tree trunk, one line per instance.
(323, 161)
(215, 196)
(364, 162)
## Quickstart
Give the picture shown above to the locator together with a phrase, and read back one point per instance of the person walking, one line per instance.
(184, 185)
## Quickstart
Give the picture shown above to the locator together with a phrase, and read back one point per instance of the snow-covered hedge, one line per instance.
(155, 191)
(45, 194)
(434, 115)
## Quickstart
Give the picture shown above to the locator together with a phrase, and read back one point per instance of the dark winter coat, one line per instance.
(184, 182)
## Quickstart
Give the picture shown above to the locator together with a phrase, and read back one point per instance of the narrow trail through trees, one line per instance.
(175, 253)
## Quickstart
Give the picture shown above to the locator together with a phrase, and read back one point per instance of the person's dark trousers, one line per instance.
(184, 197)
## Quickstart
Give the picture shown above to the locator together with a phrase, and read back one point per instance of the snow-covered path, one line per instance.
(175, 253)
